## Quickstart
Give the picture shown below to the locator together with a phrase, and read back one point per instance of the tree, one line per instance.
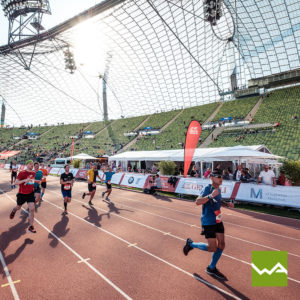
(167, 167)
(291, 169)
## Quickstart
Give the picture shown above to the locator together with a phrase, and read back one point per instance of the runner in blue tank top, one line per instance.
(212, 225)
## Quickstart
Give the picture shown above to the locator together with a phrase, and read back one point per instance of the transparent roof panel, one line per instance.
(155, 55)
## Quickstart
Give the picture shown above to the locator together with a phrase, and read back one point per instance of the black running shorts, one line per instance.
(108, 185)
(209, 231)
(37, 190)
(44, 184)
(91, 187)
(13, 175)
(22, 198)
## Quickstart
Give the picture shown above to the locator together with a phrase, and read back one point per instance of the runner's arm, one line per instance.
(227, 204)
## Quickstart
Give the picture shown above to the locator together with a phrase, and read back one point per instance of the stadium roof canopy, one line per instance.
(155, 55)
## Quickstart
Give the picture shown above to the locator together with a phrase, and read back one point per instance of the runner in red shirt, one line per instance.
(25, 180)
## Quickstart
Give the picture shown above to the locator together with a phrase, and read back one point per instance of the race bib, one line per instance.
(94, 184)
(108, 181)
(218, 216)
(67, 187)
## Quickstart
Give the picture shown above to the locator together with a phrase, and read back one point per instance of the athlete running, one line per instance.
(37, 182)
(44, 180)
(212, 225)
(66, 180)
(25, 180)
(14, 171)
(92, 174)
(108, 175)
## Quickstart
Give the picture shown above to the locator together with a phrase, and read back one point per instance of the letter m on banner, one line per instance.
(191, 141)
(256, 195)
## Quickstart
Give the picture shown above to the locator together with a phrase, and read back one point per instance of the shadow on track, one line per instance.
(232, 290)
(115, 209)
(60, 230)
(14, 233)
(93, 216)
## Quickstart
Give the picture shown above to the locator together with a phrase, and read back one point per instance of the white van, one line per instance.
(60, 162)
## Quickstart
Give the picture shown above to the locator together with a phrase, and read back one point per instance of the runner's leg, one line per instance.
(31, 212)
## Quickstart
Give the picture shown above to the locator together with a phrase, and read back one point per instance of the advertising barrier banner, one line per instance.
(81, 173)
(54, 171)
(74, 172)
(7, 166)
(116, 179)
(61, 170)
(279, 195)
(2, 165)
(101, 174)
(166, 186)
(134, 180)
(194, 186)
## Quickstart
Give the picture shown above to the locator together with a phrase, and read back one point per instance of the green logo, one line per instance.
(269, 268)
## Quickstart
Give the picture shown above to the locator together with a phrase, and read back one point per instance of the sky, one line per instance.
(61, 11)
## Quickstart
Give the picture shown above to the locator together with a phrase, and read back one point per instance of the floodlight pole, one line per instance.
(25, 21)
(105, 112)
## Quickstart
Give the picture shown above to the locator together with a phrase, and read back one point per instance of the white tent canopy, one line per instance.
(201, 154)
(82, 156)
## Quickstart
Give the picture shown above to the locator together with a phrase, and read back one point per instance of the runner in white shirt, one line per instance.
(267, 177)
(14, 171)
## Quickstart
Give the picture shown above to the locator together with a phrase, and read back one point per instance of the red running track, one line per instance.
(132, 249)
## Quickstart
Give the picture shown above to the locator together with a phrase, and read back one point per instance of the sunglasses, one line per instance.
(217, 176)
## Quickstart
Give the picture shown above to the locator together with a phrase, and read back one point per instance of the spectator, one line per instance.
(226, 175)
(267, 177)
(157, 185)
(245, 177)
(181, 171)
(154, 169)
(281, 179)
(230, 174)
(193, 172)
(237, 174)
(218, 168)
(207, 173)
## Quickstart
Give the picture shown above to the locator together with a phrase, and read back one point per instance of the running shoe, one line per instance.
(31, 229)
(83, 195)
(12, 214)
(107, 199)
(103, 193)
(215, 272)
(90, 203)
(66, 211)
(187, 248)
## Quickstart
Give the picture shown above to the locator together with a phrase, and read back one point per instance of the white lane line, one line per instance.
(79, 256)
(155, 229)
(198, 216)
(132, 245)
(169, 233)
(11, 283)
(80, 261)
(226, 222)
(144, 251)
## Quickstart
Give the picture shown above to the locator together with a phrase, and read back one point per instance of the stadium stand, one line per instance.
(111, 138)
(237, 109)
(280, 106)
(173, 137)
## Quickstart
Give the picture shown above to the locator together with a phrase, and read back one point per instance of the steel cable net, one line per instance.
(154, 56)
